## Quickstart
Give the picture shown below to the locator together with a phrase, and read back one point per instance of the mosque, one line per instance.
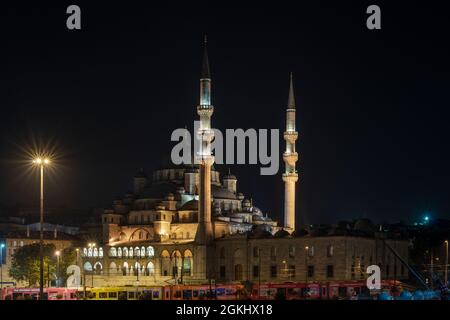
(187, 224)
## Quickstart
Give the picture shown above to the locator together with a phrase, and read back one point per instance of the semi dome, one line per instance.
(190, 205)
(222, 193)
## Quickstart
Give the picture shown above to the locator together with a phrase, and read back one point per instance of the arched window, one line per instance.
(125, 268)
(137, 268)
(147, 235)
(142, 251)
(98, 267)
(291, 251)
(113, 252)
(85, 252)
(150, 271)
(187, 263)
(125, 252)
(141, 235)
(95, 252)
(150, 252)
(330, 251)
(100, 252)
(165, 263)
(177, 263)
(119, 252)
(273, 253)
(88, 266)
(137, 252)
(311, 251)
(130, 252)
(90, 252)
(112, 268)
(174, 235)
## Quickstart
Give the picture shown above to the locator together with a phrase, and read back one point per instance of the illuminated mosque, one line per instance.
(188, 224)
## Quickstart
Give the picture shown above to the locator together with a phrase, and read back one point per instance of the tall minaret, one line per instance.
(290, 157)
(204, 157)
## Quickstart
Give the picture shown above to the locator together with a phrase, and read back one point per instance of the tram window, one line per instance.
(130, 295)
(177, 294)
(112, 294)
(187, 294)
(202, 293)
(195, 293)
(122, 295)
(102, 295)
(342, 291)
(220, 291)
(156, 294)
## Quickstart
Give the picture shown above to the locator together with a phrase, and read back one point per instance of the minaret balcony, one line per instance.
(204, 159)
(205, 135)
(290, 177)
(205, 110)
(290, 158)
(291, 136)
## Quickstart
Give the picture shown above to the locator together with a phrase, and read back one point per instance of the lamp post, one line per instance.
(446, 262)
(57, 253)
(306, 269)
(92, 245)
(1, 270)
(41, 163)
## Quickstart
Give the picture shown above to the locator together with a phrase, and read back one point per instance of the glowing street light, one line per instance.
(41, 163)
(57, 253)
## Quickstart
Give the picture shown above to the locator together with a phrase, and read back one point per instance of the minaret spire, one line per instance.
(205, 65)
(291, 98)
(290, 158)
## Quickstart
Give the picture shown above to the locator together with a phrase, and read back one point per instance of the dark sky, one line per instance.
(372, 105)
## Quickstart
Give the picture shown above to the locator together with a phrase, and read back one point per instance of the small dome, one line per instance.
(229, 176)
(190, 205)
(222, 193)
(281, 234)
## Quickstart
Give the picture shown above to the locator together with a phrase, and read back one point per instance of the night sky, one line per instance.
(372, 106)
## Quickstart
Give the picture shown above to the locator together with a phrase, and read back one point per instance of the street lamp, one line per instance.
(1, 270)
(446, 262)
(306, 269)
(57, 253)
(41, 163)
(92, 245)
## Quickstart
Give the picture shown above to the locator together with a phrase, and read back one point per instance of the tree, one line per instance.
(25, 264)
(67, 258)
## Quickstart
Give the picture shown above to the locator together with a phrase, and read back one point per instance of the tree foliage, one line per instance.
(25, 264)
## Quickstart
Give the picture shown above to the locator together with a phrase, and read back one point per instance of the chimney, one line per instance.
(56, 233)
